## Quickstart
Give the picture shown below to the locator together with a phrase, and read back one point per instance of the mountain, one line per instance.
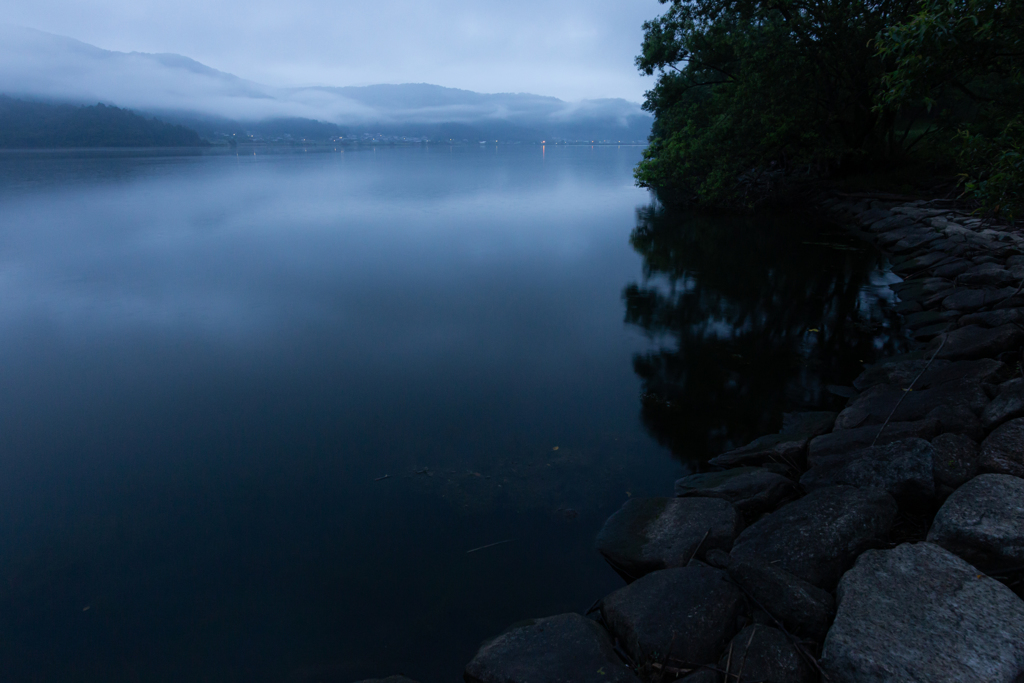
(45, 67)
(37, 125)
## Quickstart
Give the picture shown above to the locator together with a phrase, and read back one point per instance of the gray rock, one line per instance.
(903, 468)
(930, 332)
(972, 342)
(847, 440)
(751, 490)
(912, 243)
(955, 460)
(890, 223)
(917, 213)
(997, 318)
(818, 537)
(968, 300)
(920, 263)
(919, 614)
(788, 449)
(963, 399)
(983, 522)
(804, 609)
(566, 648)
(389, 679)
(1008, 404)
(900, 373)
(982, 370)
(1003, 451)
(951, 270)
(648, 534)
(710, 480)
(763, 653)
(919, 289)
(987, 275)
(692, 610)
(702, 676)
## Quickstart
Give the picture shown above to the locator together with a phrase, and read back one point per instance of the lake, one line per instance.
(321, 415)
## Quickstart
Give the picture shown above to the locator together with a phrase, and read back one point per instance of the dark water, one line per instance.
(210, 362)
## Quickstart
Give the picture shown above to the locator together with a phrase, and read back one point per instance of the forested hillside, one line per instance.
(35, 125)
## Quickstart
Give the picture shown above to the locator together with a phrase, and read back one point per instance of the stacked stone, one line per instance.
(876, 544)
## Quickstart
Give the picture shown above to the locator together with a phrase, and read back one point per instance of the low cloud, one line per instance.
(40, 65)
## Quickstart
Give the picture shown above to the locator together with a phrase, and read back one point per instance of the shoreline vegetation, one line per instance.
(756, 101)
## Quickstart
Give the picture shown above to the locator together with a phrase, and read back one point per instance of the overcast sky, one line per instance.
(571, 49)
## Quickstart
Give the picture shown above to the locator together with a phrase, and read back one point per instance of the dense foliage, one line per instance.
(38, 125)
(964, 60)
(755, 95)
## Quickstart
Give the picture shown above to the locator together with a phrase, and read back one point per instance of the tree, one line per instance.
(964, 59)
(752, 94)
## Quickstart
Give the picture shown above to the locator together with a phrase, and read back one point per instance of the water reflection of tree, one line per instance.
(752, 317)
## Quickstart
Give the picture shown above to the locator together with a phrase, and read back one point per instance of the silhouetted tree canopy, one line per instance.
(754, 96)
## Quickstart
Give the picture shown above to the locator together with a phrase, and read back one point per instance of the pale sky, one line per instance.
(571, 49)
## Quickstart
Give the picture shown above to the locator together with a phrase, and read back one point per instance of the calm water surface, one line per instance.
(256, 408)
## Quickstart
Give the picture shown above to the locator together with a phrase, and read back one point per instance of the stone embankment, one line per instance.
(882, 543)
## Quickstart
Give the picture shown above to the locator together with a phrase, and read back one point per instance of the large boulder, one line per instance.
(902, 372)
(687, 613)
(955, 404)
(919, 614)
(969, 300)
(996, 318)
(1003, 451)
(763, 653)
(988, 275)
(848, 440)
(903, 468)
(562, 649)
(648, 534)
(818, 537)
(1008, 404)
(955, 460)
(983, 522)
(752, 490)
(803, 609)
(983, 370)
(788, 447)
(973, 341)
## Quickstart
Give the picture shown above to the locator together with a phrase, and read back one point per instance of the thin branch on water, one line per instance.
(697, 549)
(490, 545)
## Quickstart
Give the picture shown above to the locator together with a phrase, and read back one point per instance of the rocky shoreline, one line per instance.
(881, 543)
